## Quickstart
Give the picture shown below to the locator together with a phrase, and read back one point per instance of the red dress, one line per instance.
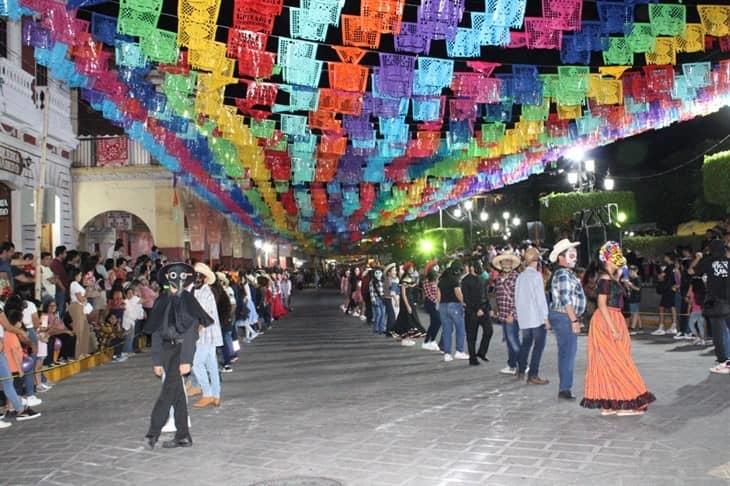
(277, 306)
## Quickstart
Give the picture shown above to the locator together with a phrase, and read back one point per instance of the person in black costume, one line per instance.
(408, 326)
(477, 312)
(173, 324)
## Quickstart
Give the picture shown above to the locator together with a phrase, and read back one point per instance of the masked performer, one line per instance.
(173, 324)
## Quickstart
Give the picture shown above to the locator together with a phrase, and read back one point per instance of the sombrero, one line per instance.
(205, 270)
(507, 255)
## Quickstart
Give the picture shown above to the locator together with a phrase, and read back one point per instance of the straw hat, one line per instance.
(502, 257)
(222, 278)
(389, 267)
(205, 270)
(560, 247)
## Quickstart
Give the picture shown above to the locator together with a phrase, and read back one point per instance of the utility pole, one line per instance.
(39, 193)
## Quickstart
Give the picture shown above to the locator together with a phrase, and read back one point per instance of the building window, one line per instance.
(41, 76)
(3, 38)
(27, 59)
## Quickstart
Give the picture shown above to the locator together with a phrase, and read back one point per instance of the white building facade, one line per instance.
(21, 129)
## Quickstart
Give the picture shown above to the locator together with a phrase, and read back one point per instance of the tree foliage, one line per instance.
(716, 179)
(558, 208)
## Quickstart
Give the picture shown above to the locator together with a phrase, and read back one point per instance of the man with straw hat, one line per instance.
(205, 362)
(568, 303)
(532, 315)
(506, 263)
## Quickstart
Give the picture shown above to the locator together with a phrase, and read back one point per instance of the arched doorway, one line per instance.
(104, 229)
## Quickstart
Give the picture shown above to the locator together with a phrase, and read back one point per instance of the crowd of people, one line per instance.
(89, 304)
(529, 292)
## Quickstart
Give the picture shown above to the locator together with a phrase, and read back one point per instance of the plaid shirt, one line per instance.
(430, 289)
(505, 293)
(567, 289)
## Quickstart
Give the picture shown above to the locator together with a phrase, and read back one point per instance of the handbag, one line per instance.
(236, 346)
(715, 307)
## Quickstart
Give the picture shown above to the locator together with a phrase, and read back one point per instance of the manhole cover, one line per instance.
(299, 481)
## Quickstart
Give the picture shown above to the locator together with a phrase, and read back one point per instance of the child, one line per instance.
(133, 312)
(634, 286)
(15, 354)
(696, 322)
(110, 335)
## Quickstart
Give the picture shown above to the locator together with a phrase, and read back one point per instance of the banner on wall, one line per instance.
(119, 220)
(112, 152)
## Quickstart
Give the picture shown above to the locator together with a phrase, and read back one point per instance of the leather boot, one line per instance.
(204, 402)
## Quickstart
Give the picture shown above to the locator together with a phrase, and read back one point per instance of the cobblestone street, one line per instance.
(319, 398)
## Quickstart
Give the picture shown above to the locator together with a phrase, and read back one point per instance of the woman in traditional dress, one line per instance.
(408, 326)
(277, 306)
(612, 383)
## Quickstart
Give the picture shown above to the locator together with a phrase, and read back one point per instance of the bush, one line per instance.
(716, 179)
(656, 246)
(556, 209)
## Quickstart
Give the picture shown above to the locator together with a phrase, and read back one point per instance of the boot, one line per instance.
(204, 402)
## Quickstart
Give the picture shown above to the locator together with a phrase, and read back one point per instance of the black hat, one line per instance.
(178, 275)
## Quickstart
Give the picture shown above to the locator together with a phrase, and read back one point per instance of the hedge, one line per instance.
(716, 179)
(657, 246)
(559, 208)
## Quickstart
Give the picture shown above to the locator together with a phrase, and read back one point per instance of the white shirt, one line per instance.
(50, 288)
(76, 288)
(530, 300)
(28, 312)
(210, 335)
(133, 312)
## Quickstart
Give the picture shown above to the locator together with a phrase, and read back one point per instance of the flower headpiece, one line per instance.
(611, 252)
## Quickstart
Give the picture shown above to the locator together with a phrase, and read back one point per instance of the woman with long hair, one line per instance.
(78, 314)
(612, 383)
(61, 340)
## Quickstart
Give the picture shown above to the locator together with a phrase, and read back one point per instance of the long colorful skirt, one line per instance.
(612, 380)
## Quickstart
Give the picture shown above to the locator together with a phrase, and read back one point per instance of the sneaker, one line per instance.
(508, 371)
(679, 335)
(355, 314)
(42, 388)
(227, 369)
(33, 401)
(408, 342)
(659, 332)
(343, 308)
(673, 329)
(430, 346)
(4, 424)
(460, 355)
(721, 369)
(448, 357)
(27, 414)
(363, 318)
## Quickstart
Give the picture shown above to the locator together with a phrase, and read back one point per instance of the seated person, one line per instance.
(110, 335)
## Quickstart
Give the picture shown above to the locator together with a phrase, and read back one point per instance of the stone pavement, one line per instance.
(320, 401)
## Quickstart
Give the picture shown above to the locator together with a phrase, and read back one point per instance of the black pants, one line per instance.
(172, 394)
(68, 347)
(472, 326)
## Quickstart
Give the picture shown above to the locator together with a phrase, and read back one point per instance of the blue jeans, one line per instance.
(532, 338)
(452, 319)
(567, 348)
(6, 379)
(129, 341)
(378, 316)
(61, 301)
(721, 337)
(227, 350)
(435, 318)
(511, 334)
(205, 367)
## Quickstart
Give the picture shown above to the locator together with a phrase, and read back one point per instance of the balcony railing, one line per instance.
(117, 151)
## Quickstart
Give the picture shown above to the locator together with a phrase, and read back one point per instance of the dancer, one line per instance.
(408, 326)
(506, 263)
(477, 312)
(173, 324)
(205, 361)
(532, 316)
(568, 303)
(612, 383)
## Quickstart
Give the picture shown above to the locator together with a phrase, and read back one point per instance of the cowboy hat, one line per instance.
(205, 271)
(560, 247)
(506, 255)
(389, 267)
(532, 254)
(222, 278)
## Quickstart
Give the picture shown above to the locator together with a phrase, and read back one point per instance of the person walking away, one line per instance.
(174, 322)
(451, 309)
(716, 267)
(532, 317)
(506, 263)
(696, 321)
(477, 310)
(432, 298)
(205, 361)
(634, 288)
(567, 305)
(612, 381)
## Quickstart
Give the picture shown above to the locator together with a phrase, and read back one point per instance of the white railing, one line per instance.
(17, 102)
(85, 154)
